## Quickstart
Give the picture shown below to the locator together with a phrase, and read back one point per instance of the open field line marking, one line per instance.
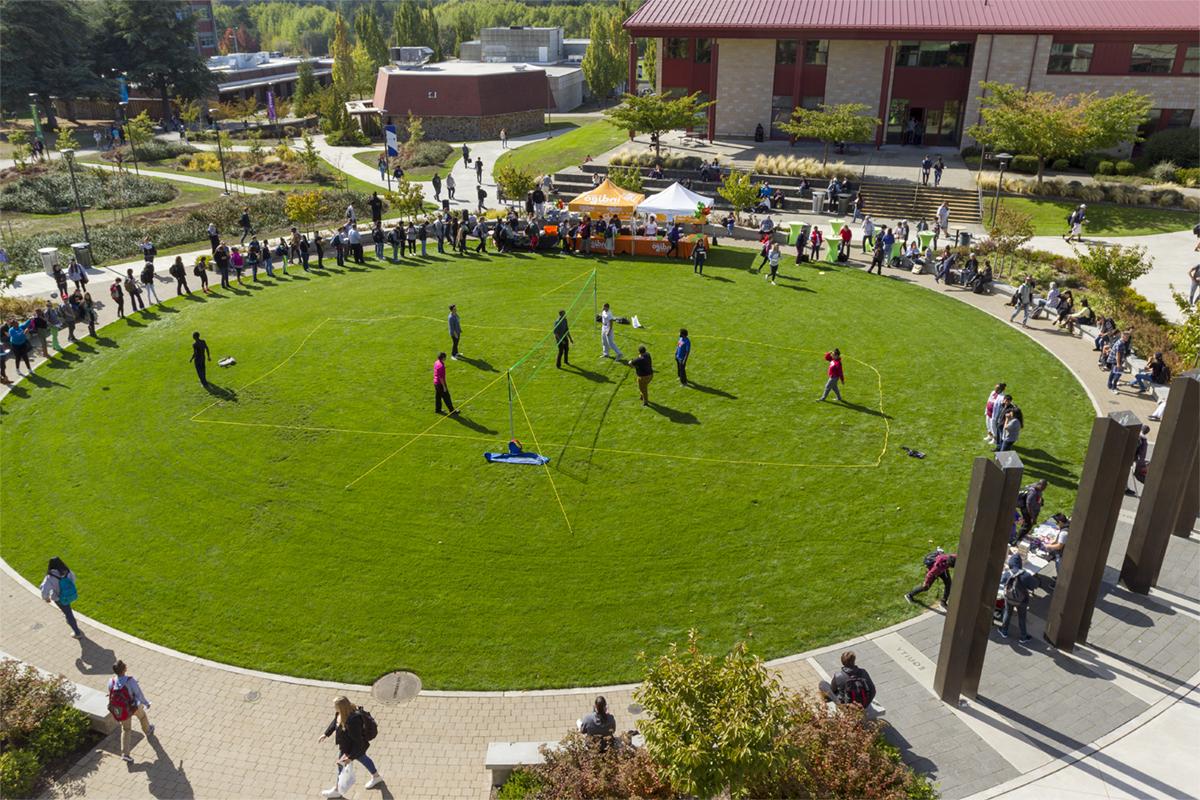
(435, 423)
(564, 283)
(545, 465)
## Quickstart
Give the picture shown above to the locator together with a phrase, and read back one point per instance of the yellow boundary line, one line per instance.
(545, 465)
(564, 283)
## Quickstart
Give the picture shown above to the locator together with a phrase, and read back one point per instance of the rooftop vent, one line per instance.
(410, 57)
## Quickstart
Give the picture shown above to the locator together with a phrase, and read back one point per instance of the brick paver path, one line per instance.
(232, 733)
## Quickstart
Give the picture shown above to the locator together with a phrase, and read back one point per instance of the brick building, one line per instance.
(206, 27)
(917, 63)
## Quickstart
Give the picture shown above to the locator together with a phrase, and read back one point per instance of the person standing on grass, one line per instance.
(356, 245)
(59, 587)
(377, 237)
(868, 234)
(455, 326)
(441, 392)
(396, 239)
(699, 253)
(200, 357)
(644, 369)
(376, 208)
(352, 730)
(835, 374)
(606, 334)
(481, 231)
(773, 256)
(148, 283)
(319, 244)
(127, 701)
(674, 236)
(39, 325)
(1010, 430)
(1029, 502)
(995, 399)
(938, 569)
(339, 247)
(562, 335)
(437, 187)
(118, 296)
(845, 234)
(449, 186)
(200, 270)
(817, 240)
(683, 350)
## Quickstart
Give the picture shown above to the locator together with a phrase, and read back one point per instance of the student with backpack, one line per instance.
(126, 701)
(1029, 503)
(1018, 591)
(118, 296)
(353, 729)
(59, 587)
(852, 685)
(937, 565)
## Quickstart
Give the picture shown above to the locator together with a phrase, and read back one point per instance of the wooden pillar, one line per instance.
(1101, 490)
(986, 522)
(633, 59)
(1170, 468)
(1185, 520)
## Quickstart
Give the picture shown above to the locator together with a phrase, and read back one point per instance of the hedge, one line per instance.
(1181, 145)
(52, 192)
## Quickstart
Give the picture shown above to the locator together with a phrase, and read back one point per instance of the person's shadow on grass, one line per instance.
(472, 424)
(675, 415)
(44, 383)
(594, 377)
(478, 363)
(221, 392)
(874, 412)
(711, 390)
(712, 277)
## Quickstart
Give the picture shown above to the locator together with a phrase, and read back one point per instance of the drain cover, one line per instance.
(251, 696)
(396, 687)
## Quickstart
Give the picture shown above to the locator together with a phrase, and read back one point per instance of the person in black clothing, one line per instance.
(376, 207)
(482, 193)
(200, 355)
(319, 243)
(179, 273)
(466, 151)
(562, 335)
(644, 369)
(851, 685)
(244, 221)
(599, 724)
(478, 170)
(349, 729)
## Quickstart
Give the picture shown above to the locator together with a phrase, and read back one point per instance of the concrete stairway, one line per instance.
(888, 201)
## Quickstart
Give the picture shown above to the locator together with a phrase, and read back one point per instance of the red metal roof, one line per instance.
(729, 17)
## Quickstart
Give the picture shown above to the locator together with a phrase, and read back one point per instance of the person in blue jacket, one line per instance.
(683, 349)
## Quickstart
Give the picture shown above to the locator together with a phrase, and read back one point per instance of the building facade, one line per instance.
(206, 27)
(917, 63)
(240, 76)
(545, 48)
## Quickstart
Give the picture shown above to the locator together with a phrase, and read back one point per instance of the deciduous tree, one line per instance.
(658, 113)
(365, 71)
(650, 66)
(304, 208)
(407, 198)
(843, 122)
(739, 191)
(601, 67)
(514, 182)
(1115, 268)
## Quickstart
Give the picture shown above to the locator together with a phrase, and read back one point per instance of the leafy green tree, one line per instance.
(1047, 126)
(365, 71)
(433, 33)
(1011, 230)
(658, 113)
(65, 140)
(46, 51)
(304, 98)
(1186, 335)
(738, 190)
(627, 177)
(407, 198)
(601, 66)
(650, 65)
(257, 154)
(309, 156)
(1115, 268)
(139, 129)
(189, 111)
(844, 122)
(416, 130)
(304, 208)
(155, 44)
(407, 26)
(21, 149)
(514, 182)
(343, 59)
(714, 724)
(370, 36)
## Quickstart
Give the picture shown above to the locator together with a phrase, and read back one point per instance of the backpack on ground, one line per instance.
(855, 690)
(370, 727)
(67, 591)
(1015, 592)
(120, 702)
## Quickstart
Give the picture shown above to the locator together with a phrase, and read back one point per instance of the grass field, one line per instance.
(371, 159)
(1103, 219)
(313, 516)
(566, 149)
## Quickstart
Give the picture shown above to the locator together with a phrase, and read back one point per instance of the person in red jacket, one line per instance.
(940, 568)
(835, 374)
(844, 247)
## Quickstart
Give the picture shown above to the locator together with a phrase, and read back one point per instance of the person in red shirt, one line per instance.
(844, 247)
(835, 374)
(440, 390)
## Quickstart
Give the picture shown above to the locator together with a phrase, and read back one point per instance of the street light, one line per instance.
(212, 112)
(1003, 158)
(69, 155)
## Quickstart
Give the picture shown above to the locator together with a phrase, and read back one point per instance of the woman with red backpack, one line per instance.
(58, 587)
(126, 701)
(353, 728)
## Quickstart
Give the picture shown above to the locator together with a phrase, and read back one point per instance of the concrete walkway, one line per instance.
(181, 178)
(226, 732)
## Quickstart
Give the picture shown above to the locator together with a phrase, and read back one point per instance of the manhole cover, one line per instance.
(251, 696)
(396, 687)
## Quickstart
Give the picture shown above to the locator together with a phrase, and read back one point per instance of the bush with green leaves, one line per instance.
(153, 150)
(1060, 165)
(38, 725)
(1126, 167)
(1164, 171)
(1025, 164)
(19, 773)
(26, 698)
(52, 193)
(424, 153)
(1188, 176)
(348, 137)
(1106, 168)
(522, 784)
(1181, 145)
(61, 733)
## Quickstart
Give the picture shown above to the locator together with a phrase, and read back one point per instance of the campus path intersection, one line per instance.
(224, 732)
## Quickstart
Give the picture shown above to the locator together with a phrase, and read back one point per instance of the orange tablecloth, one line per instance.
(645, 245)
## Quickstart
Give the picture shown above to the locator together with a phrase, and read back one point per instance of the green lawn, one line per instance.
(26, 224)
(1103, 219)
(422, 174)
(565, 150)
(315, 497)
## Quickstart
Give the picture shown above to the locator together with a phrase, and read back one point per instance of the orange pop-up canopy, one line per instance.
(607, 198)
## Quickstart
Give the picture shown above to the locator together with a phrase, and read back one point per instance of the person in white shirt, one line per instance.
(127, 684)
(652, 227)
(606, 334)
(943, 216)
(994, 401)
(351, 216)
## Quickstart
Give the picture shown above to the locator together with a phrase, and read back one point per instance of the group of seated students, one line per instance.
(769, 198)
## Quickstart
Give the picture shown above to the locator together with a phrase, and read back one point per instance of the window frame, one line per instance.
(670, 43)
(1170, 113)
(1191, 53)
(1149, 62)
(820, 52)
(934, 53)
(789, 48)
(1071, 58)
(704, 56)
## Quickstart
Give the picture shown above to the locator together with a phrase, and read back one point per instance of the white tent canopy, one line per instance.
(674, 201)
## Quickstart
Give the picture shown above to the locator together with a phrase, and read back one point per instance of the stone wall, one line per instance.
(472, 129)
(745, 76)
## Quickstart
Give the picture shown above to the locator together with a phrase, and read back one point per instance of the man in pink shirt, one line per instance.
(440, 391)
(835, 375)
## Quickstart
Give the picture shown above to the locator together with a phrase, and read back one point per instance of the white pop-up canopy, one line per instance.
(674, 201)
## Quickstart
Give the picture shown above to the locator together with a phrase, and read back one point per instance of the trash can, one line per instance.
(964, 238)
(83, 253)
(49, 257)
(818, 201)
(843, 203)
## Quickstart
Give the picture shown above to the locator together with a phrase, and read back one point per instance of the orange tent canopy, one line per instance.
(607, 198)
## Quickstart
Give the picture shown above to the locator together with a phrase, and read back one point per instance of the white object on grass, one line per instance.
(227, 361)
(636, 324)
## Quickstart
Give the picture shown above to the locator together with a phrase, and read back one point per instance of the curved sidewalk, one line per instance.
(224, 732)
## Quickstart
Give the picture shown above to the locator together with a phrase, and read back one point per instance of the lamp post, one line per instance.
(1003, 158)
(125, 128)
(220, 148)
(69, 156)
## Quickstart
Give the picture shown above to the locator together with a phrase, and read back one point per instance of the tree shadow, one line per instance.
(221, 392)
(711, 390)
(478, 363)
(675, 415)
(472, 424)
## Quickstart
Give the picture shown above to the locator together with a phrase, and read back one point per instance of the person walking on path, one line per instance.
(200, 270)
(644, 369)
(437, 187)
(148, 283)
(562, 335)
(77, 274)
(244, 222)
(606, 334)
(126, 701)
(352, 730)
(118, 296)
(503, 139)
(1075, 223)
(455, 326)
(441, 392)
(773, 256)
(1023, 300)
(134, 291)
(1194, 291)
(449, 186)
(926, 165)
(376, 208)
(179, 272)
(939, 166)
(200, 357)
(993, 403)
(478, 170)
(683, 349)
(936, 568)
(466, 151)
(835, 375)
(1018, 591)
(943, 217)
(59, 587)
(482, 195)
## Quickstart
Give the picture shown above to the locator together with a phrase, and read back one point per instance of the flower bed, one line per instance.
(51, 192)
(1099, 192)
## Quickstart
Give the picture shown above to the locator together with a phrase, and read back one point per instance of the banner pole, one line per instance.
(512, 433)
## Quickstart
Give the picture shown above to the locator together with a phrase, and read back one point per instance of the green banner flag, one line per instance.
(37, 121)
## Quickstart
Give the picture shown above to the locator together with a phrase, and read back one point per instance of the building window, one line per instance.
(812, 102)
(182, 13)
(1191, 60)
(781, 111)
(1150, 125)
(677, 48)
(933, 54)
(1155, 58)
(207, 40)
(816, 51)
(205, 12)
(897, 117)
(1180, 118)
(950, 113)
(703, 51)
(785, 51)
(1070, 57)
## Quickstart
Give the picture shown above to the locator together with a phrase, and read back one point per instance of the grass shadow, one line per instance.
(711, 390)
(478, 363)
(473, 425)
(675, 415)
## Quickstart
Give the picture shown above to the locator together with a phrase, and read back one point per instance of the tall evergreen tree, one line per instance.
(370, 36)
(407, 24)
(433, 33)
(343, 59)
(601, 68)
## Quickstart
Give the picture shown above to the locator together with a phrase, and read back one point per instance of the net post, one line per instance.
(512, 433)
(595, 298)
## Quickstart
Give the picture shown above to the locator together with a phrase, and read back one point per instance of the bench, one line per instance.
(92, 702)
(503, 757)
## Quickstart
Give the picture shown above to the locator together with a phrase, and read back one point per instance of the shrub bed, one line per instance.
(799, 167)
(51, 192)
(1121, 193)
(422, 154)
(155, 150)
(645, 158)
(38, 726)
